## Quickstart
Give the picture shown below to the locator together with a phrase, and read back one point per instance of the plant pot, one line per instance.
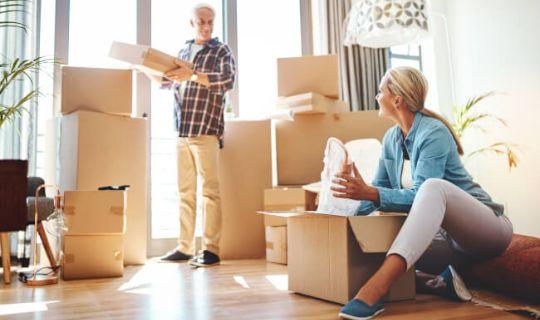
(13, 190)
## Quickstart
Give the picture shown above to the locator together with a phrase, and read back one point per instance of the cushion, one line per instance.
(516, 272)
(45, 208)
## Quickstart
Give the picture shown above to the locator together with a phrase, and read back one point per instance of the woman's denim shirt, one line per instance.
(433, 154)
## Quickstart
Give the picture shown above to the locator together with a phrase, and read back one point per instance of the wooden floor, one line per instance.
(248, 289)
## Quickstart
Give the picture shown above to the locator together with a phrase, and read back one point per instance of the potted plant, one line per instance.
(465, 117)
(16, 71)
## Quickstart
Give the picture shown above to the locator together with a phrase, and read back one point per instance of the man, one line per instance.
(199, 107)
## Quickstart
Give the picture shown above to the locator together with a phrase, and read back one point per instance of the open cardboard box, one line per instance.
(330, 257)
(146, 58)
(290, 198)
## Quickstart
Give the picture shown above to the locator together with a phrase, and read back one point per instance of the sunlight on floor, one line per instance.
(146, 291)
(15, 308)
(279, 281)
(142, 277)
(241, 281)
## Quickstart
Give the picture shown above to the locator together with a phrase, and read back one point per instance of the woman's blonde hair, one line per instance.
(412, 86)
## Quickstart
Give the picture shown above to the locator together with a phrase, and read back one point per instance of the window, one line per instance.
(14, 134)
(45, 104)
(422, 58)
(267, 30)
(94, 25)
(406, 55)
(170, 30)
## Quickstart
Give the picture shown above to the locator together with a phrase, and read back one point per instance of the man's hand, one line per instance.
(353, 186)
(179, 74)
(182, 63)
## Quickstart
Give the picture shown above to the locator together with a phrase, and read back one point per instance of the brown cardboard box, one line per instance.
(92, 256)
(96, 89)
(284, 199)
(330, 257)
(299, 144)
(95, 212)
(308, 74)
(311, 103)
(276, 244)
(145, 58)
(98, 149)
(271, 221)
(245, 171)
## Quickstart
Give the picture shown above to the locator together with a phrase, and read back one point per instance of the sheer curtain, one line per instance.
(18, 137)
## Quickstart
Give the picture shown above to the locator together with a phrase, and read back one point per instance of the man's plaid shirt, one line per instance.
(201, 110)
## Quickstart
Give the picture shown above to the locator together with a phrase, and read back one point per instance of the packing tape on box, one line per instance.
(70, 210)
(70, 257)
(279, 246)
(117, 210)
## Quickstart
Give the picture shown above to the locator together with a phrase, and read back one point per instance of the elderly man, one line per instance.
(199, 106)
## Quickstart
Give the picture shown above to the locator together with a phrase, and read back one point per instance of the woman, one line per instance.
(420, 172)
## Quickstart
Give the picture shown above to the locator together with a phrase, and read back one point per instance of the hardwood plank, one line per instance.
(240, 289)
(6, 256)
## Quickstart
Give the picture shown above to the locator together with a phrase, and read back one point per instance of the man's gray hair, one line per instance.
(203, 6)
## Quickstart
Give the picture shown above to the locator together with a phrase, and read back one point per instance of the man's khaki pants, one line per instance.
(198, 156)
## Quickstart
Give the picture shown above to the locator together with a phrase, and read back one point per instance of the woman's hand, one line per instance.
(353, 186)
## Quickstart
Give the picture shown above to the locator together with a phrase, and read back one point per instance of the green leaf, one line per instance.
(12, 74)
(500, 148)
(13, 6)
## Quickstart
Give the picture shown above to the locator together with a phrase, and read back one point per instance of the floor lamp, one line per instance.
(383, 24)
(35, 279)
(378, 24)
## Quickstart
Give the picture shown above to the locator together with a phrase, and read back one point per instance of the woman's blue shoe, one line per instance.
(455, 287)
(359, 310)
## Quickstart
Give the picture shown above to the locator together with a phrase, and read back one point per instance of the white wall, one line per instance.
(495, 46)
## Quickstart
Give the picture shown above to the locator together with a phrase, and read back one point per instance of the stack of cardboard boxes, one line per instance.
(307, 87)
(93, 245)
(101, 144)
(282, 199)
(328, 256)
(247, 154)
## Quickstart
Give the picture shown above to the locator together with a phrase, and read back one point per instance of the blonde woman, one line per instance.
(420, 172)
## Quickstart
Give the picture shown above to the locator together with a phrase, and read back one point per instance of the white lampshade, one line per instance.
(386, 23)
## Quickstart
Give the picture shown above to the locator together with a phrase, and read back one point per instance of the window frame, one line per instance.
(143, 95)
(410, 57)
